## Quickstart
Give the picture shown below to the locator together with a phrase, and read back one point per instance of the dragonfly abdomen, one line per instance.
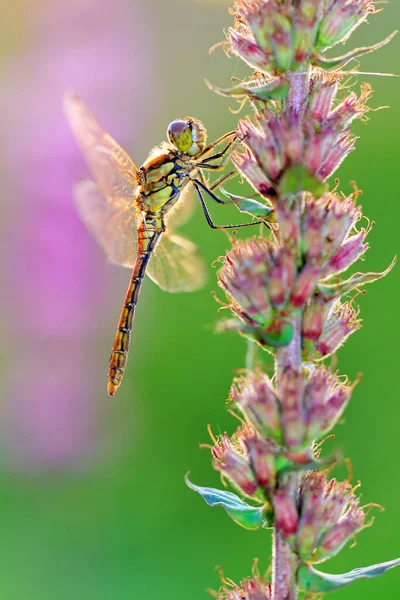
(147, 242)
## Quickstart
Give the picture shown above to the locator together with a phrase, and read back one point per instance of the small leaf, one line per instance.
(299, 179)
(334, 290)
(273, 90)
(287, 464)
(311, 580)
(249, 206)
(279, 333)
(243, 514)
(342, 61)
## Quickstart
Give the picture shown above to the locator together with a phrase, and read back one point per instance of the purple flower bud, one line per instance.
(234, 465)
(291, 389)
(259, 402)
(316, 138)
(286, 514)
(342, 321)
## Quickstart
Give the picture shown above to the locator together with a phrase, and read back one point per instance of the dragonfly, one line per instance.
(131, 211)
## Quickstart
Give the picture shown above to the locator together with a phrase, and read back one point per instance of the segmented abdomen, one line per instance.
(147, 240)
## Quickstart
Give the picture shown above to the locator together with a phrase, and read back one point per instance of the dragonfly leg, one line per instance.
(211, 147)
(219, 160)
(201, 184)
(210, 222)
(222, 179)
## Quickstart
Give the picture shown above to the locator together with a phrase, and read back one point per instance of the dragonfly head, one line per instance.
(188, 136)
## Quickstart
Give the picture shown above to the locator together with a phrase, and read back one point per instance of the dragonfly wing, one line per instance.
(112, 169)
(183, 210)
(177, 265)
(113, 225)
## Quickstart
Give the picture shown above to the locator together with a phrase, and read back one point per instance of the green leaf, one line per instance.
(299, 179)
(334, 290)
(249, 206)
(243, 514)
(311, 580)
(272, 90)
(286, 464)
(279, 333)
(341, 61)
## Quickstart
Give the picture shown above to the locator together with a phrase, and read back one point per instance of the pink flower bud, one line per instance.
(289, 224)
(322, 93)
(261, 455)
(281, 276)
(330, 516)
(244, 277)
(264, 148)
(324, 401)
(244, 46)
(312, 494)
(252, 588)
(351, 108)
(286, 515)
(341, 323)
(313, 318)
(250, 170)
(341, 19)
(336, 537)
(291, 389)
(349, 253)
(256, 589)
(234, 465)
(305, 284)
(313, 138)
(258, 401)
(342, 216)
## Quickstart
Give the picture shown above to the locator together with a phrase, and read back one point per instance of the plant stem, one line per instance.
(284, 566)
(298, 90)
(284, 561)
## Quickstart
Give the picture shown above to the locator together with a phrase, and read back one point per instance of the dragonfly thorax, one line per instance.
(188, 136)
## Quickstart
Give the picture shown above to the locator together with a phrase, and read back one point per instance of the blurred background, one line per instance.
(92, 500)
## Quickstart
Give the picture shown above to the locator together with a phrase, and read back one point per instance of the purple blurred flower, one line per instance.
(53, 304)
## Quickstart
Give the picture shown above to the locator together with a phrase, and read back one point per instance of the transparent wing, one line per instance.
(183, 210)
(177, 265)
(112, 169)
(112, 224)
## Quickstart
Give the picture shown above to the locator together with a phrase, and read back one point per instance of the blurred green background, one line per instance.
(92, 500)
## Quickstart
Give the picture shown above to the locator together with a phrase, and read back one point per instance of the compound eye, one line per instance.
(180, 135)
